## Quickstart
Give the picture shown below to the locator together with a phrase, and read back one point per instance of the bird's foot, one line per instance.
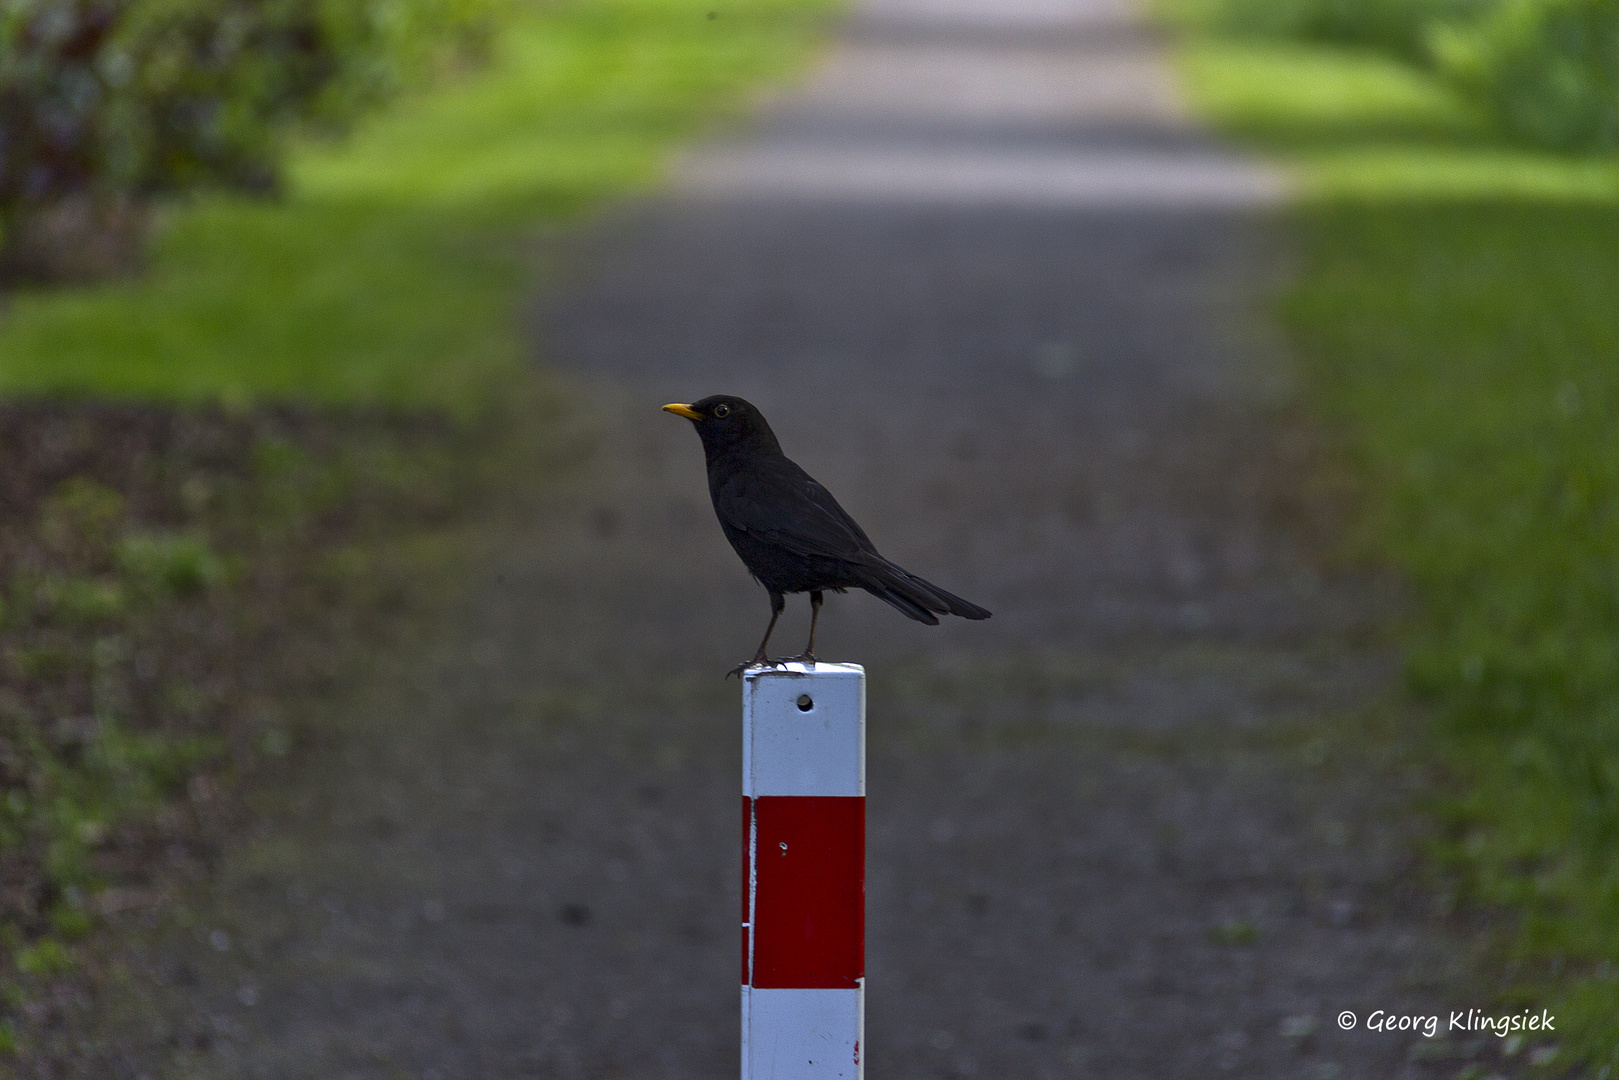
(801, 658)
(758, 661)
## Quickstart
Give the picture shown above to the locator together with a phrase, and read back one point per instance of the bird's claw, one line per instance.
(757, 661)
(779, 661)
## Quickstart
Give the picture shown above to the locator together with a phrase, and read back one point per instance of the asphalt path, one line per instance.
(996, 291)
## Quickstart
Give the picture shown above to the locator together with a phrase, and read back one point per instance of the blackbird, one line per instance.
(790, 531)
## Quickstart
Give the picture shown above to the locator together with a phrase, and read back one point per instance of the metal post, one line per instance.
(803, 872)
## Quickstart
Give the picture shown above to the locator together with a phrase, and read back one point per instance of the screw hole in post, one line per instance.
(805, 703)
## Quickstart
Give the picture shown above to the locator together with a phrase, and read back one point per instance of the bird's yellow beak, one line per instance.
(684, 410)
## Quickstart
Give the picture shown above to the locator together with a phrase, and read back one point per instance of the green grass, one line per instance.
(1358, 125)
(392, 271)
(1456, 310)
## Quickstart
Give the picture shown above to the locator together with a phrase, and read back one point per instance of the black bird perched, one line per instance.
(789, 529)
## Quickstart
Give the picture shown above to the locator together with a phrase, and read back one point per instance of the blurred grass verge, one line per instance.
(223, 476)
(1454, 312)
(1543, 73)
(391, 271)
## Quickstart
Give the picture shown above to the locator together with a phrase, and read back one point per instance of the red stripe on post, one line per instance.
(809, 908)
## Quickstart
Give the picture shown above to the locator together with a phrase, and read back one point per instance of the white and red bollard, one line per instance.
(803, 872)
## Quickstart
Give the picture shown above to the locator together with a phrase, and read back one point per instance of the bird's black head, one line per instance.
(726, 423)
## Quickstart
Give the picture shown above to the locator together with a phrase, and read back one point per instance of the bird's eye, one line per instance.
(722, 411)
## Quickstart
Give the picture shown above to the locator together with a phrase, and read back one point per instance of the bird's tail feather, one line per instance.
(921, 600)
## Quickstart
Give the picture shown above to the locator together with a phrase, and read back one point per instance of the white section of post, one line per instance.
(788, 750)
(803, 1034)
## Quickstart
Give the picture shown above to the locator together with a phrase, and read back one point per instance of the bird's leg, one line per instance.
(777, 603)
(815, 616)
(808, 655)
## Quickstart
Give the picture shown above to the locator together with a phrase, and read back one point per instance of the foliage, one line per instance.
(178, 565)
(1469, 351)
(1401, 27)
(106, 102)
(392, 271)
(173, 582)
(1547, 70)
(1453, 310)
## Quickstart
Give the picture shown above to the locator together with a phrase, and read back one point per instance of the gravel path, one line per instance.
(996, 292)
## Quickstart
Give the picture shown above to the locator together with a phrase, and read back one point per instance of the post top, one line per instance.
(804, 731)
(798, 669)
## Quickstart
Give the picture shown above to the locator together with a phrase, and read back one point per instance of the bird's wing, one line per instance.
(787, 507)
